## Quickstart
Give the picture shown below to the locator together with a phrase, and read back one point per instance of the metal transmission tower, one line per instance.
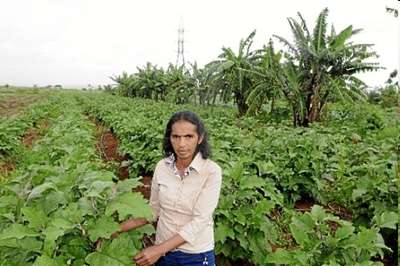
(180, 56)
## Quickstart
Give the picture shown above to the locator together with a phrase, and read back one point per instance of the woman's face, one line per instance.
(184, 139)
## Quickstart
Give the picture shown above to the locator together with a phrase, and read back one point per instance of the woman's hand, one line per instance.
(149, 256)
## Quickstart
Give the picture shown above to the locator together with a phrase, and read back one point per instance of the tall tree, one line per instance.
(234, 80)
(149, 82)
(179, 83)
(318, 65)
(125, 84)
(266, 88)
(202, 80)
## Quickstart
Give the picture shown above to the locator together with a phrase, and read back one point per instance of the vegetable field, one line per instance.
(320, 195)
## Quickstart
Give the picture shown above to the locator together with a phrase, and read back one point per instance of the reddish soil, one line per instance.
(33, 134)
(15, 104)
(339, 211)
(274, 247)
(6, 168)
(30, 136)
(107, 146)
(334, 208)
(303, 205)
(146, 188)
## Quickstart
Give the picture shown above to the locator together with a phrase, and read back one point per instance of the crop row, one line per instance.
(61, 200)
(267, 169)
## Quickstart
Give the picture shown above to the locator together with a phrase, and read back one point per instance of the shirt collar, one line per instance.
(196, 164)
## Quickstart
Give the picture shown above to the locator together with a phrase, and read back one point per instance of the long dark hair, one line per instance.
(190, 117)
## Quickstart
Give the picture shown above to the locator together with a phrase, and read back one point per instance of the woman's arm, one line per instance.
(124, 227)
(130, 224)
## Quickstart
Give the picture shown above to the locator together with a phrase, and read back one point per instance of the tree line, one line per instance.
(317, 67)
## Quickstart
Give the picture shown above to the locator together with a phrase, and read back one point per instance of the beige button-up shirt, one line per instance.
(184, 205)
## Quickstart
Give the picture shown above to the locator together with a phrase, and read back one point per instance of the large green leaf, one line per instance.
(252, 182)
(37, 191)
(223, 231)
(339, 40)
(129, 204)
(18, 231)
(128, 184)
(102, 228)
(345, 231)
(119, 252)
(97, 188)
(51, 234)
(45, 261)
(387, 220)
(36, 217)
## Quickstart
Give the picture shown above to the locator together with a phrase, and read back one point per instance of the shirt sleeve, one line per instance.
(204, 207)
(154, 197)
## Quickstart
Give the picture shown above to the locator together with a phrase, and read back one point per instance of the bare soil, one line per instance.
(107, 146)
(145, 189)
(13, 105)
(303, 205)
(6, 167)
(334, 208)
(30, 137)
(340, 211)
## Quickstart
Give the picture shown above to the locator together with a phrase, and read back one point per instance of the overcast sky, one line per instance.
(80, 42)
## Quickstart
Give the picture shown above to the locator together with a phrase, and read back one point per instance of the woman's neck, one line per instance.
(182, 164)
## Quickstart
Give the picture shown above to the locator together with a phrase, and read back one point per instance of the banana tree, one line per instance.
(179, 83)
(203, 81)
(233, 80)
(267, 88)
(324, 64)
(125, 84)
(150, 83)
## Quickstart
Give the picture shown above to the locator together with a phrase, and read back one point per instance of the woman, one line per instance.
(184, 194)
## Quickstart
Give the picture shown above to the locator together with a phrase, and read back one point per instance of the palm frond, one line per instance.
(304, 26)
(246, 44)
(356, 31)
(285, 42)
(299, 38)
(319, 35)
(393, 11)
(339, 40)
